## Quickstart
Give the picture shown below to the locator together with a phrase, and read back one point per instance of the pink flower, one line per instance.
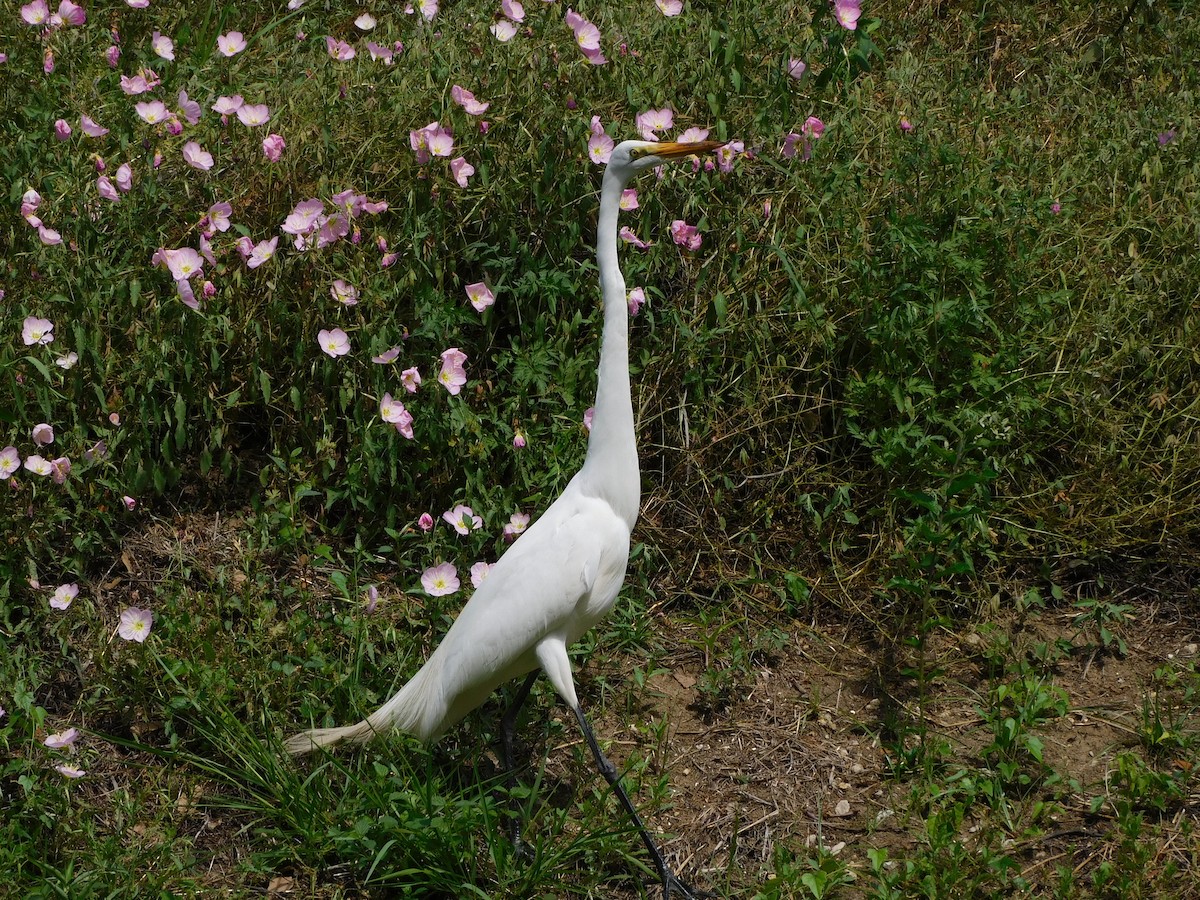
(183, 263)
(62, 739)
(379, 52)
(163, 46)
(394, 413)
(113, 55)
(453, 374)
(587, 36)
(227, 106)
(428, 9)
(90, 128)
(152, 112)
(107, 190)
(63, 595)
(30, 201)
(467, 101)
(600, 145)
(425, 522)
(440, 581)
(135, 624)
(503, 30)
(517, 523)
(479, 571)
(685, 235)
(1056, 208)
(588, 415)
(372, 600)
(189, 109)
(669, 7)
(387, 356)
(253, 115)
(49, 236)
(480, 295)
(629, 199)
(513, 10)
(10, 462)
(727, 154)
(905, 125)
(145, 80)
(37, 331)
(218, 216)
(262, 252)
(796, 68)
(69, 771)
(231, 44)
(461, 170)
(273, 146)
(463, 519)
(847, 12)
(788, 151)
(59, 469)
(421, 140)
(813, 128)
(411, 379)
(441, 143)
(518, 440)
(338, 50)
(652, 121)
(197, 157)
(124, 177)
(303, 219)
(626, 234)
(62, 130)
(68, 361)
(636, 298)
(365, 22)
(36, 13)
(43, 434)
(128, 502)
(344, 293)
(70, 13)
(334, 342)
(38, 466)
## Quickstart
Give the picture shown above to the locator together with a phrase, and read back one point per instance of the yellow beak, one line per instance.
(673, 149)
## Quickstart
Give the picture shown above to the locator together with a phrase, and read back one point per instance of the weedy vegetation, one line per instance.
(912, 609)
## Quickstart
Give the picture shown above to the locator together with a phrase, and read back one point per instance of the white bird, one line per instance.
(562, 575)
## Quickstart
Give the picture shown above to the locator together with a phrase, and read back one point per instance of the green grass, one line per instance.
(927, 425)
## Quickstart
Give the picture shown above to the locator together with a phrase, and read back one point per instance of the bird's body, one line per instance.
(557, 580)
(562, 575)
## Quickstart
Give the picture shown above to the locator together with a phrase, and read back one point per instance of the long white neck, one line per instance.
(610, 470)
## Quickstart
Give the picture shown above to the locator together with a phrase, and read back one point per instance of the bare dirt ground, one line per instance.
(797, 757)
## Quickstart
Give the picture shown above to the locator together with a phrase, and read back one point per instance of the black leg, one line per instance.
(671, 884)
(508, 730)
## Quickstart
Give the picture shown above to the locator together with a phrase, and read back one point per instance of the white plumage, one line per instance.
(563, 574)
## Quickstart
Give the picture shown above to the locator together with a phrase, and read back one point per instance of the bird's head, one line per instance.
(631, 157)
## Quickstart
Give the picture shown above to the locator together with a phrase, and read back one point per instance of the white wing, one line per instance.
(555, 582)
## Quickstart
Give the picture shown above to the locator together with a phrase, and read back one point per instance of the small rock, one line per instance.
(842, 808)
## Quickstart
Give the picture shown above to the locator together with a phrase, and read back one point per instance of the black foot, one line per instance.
(673, 887)
(521, 850)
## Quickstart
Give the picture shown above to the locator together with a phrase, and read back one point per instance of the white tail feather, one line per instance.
(410, 709)
(307, 741)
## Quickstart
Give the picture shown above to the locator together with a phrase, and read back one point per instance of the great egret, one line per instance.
(562, 575)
